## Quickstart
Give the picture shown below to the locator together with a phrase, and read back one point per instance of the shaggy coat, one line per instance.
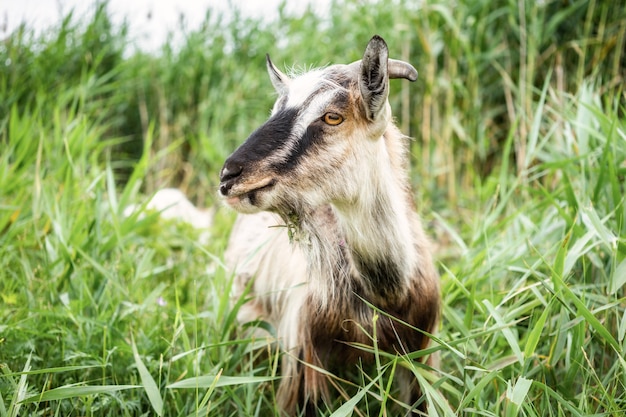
(331, 167)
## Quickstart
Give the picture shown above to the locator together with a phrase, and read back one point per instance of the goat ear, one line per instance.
(374, 78)
(279, 80)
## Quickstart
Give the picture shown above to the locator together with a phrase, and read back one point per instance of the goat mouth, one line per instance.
(250, 192)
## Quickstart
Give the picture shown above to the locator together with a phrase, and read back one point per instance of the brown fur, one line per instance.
(355, 236)
(328, 329)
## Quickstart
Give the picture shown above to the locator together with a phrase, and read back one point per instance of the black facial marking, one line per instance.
(312, 137)
(266, 139)
(277, 133)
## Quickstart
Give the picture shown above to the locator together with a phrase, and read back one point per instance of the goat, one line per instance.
(331, 166)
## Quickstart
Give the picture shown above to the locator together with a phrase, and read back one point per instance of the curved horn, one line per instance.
(401, 69)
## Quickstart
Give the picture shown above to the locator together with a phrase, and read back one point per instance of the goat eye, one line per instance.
(332, 119)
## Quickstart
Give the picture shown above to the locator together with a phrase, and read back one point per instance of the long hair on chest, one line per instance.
(331, 166)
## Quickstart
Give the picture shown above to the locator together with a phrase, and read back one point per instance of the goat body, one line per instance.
(331, 166)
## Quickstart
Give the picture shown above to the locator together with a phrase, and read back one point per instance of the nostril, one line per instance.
(224, 188)
(230, 171)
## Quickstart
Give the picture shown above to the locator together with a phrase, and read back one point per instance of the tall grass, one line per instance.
(519, 170)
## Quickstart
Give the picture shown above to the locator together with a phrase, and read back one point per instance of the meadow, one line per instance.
(518, 158)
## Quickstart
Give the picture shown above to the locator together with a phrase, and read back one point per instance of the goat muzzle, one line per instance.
(229, 173)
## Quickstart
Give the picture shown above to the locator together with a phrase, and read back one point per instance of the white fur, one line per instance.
(343, 197)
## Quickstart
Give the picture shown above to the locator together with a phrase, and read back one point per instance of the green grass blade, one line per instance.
(53, 370)
(621, 332)
(67, 392)
(149, 385)
(506, 332)
(589, 317)
(208, 381)
(558, 398)
(618, 278)
(477, 389)
(535, 334)
(347, 409)
(518, 393)
(3, 409)
(20, 391)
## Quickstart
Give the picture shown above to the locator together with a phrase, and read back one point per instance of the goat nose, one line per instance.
(230, 170)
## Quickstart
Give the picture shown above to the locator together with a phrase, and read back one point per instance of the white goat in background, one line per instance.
(331, 166)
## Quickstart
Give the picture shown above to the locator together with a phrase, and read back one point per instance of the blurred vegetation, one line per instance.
(481, 64)
(519, 120)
